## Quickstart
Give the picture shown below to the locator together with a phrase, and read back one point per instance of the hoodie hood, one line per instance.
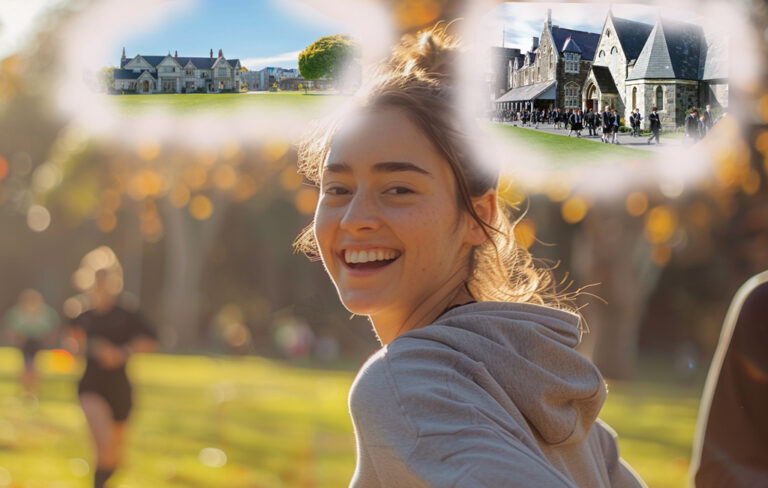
(529, 351)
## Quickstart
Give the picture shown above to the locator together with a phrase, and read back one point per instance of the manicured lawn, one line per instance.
(194, 102)
(278, 425)
(568, 149)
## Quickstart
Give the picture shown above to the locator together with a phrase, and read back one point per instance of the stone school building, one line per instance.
(669, 65)
(174, 74)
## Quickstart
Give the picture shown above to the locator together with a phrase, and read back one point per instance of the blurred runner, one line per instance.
(108, 335)
(32, 325)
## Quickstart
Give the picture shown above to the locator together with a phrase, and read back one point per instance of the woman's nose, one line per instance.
(361, 213)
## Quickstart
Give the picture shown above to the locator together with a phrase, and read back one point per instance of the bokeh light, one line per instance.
(574, 210)
(525, 233)
(636, 203)
(38, 218)
(200, 207)
(212, 457)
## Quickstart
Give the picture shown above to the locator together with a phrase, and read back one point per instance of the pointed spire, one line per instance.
(123, 58)
(211, 54)
(548, 21)
(176, 54)
(220, 53)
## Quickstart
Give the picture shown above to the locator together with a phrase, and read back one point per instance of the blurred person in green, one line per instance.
(32, 325)
(108, 334)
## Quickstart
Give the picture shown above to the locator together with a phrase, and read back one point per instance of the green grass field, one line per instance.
(278, 425)
(186, 104)
(568, 149)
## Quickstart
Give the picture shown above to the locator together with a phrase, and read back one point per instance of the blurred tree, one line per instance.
(329, 57)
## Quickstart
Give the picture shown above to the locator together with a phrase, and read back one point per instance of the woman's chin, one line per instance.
(361, 303)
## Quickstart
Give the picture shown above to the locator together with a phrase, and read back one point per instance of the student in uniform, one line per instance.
(615, 126)
(606, 122)
(655, 122)
(108, 335)
(477, 383)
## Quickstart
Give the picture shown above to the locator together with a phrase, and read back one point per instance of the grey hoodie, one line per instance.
(490, 395)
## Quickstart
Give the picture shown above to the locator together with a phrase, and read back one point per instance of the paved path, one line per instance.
(625, 139)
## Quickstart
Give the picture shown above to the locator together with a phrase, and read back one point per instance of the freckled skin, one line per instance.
(410, 212)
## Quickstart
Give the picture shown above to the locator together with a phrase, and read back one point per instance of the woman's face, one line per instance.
(387, 224)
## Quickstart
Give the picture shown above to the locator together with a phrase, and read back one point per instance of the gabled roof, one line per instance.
(587, 41)
(124, 74)
(604, 79)
(531, 57)
(571, 46)
(154, 60)
(632, 36)
(673, 50)
(147, 73)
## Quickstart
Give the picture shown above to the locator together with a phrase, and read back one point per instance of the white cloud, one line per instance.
(285, 60)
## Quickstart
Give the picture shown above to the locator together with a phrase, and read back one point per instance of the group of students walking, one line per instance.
(605, 123)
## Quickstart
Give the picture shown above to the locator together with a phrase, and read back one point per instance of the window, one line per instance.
(190, 72)
(167, 69)
(551, 59)
(614, 59)
(572, 62)
(571, 95)
(659, 98)
(601, 56)
(221, 71)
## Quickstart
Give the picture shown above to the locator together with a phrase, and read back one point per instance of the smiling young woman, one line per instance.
(477, 382)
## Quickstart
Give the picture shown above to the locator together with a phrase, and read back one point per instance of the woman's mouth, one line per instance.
(369, 259)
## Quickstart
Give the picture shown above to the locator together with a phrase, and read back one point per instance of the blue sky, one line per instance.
(518, 22)
(258, 32)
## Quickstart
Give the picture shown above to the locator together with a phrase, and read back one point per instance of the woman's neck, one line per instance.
(389, 325)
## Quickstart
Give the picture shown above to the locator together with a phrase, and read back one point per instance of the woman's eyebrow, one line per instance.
(392, 166)
(382, 167)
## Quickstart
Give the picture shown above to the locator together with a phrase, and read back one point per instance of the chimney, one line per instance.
(123, 58)
(211, 54)
(176, 55)
(220, 53)
(535, 44)
(549, 18)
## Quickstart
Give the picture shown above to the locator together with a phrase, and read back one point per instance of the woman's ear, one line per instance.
(485, 208)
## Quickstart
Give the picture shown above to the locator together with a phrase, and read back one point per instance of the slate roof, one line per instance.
(587, 41)
(632, 36)
(199, 62)
(124, 74)
(544, 91)
(713, 63)
(571, 46)
(673, 50)
(604, 79)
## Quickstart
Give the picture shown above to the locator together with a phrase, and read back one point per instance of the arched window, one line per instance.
(601, 56)
(571, 95)
(634, 98)
(614, 56)
(659, 98)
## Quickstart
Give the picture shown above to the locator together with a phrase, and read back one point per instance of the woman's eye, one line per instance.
(399, 190)
(336, 190)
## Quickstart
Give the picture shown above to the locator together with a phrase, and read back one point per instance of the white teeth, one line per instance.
(369, 255)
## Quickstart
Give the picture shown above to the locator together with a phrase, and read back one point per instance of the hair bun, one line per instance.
(430, 54)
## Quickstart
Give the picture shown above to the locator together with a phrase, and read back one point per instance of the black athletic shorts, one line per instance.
(117, 394)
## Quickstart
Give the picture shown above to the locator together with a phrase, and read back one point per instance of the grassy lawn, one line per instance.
(193, 102)
(278, 425)
(568, 149)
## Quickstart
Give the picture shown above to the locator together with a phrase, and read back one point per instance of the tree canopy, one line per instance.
(328, 56)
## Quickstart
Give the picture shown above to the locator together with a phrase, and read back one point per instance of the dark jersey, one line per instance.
(118, 326)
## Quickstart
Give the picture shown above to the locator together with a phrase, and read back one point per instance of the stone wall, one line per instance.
(608, 41)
